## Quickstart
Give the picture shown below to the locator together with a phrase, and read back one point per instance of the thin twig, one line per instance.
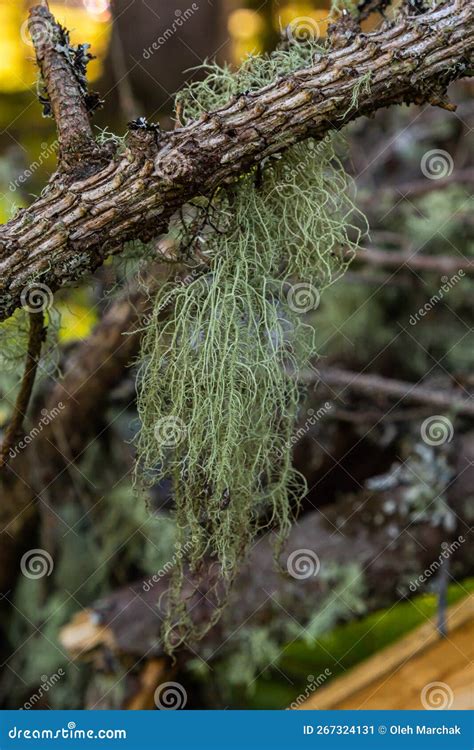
(35, 341)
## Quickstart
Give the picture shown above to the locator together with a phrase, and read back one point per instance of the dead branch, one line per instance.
(88, 211)
(443, 264)
(377, 385)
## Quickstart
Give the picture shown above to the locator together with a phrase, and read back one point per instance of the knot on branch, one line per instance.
(172, 165)
(143, 136)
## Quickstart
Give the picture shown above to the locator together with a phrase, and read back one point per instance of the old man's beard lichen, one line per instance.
(218, 396)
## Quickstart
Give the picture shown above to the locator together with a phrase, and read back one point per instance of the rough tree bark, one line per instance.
(95, 202)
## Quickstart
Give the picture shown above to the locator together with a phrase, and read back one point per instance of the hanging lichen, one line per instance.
(218, 396)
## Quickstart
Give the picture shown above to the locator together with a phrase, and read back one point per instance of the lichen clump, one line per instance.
(218, 396)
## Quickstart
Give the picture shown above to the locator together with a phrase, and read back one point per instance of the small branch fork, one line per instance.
(35, 341)
(99, 200)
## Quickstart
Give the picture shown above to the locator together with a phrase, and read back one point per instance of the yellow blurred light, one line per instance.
(304, 21)
(242, 49)
(77, 321)
(100, 8)
(18, 70)
(244, 24)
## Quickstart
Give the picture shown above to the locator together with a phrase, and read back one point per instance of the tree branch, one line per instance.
(376, 385)
(77, 223)
(63, 69)
(406, 259)
(35, 341)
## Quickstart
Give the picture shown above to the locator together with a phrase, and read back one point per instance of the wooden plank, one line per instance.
(375, 671)
(403, 688)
